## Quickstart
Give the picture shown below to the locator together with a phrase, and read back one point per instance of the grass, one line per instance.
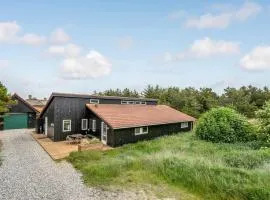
(181, 166)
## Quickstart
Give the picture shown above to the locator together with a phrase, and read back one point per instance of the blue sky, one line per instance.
(82, 46)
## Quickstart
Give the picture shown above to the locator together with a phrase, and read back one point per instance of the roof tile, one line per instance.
(126, 116)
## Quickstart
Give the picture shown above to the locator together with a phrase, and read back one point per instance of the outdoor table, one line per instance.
(76, 136)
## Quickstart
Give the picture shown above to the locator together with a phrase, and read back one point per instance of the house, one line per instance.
(21, 115)
(121, 124)
(63, 113)
(115, 120)
(38, 104)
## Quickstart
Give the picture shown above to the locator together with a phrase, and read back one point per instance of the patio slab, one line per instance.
(57, 150)
(62, 149)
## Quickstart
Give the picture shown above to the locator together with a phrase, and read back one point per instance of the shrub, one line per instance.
(224, 125)
(263, 116)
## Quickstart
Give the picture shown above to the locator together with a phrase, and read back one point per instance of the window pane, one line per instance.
(94, 101)
(145, 129)
(94, 125)
(84, 124)
(184, 125)
(137, 130)
(67, 125)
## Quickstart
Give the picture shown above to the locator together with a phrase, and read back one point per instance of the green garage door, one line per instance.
(15, 121)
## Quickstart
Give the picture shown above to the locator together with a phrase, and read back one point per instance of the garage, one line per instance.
(15, 121)
(22, 114)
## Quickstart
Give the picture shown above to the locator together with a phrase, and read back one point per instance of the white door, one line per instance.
(103, 133)
(46, 126)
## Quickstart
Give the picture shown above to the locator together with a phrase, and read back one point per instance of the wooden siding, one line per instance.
(74, 109)
(119, 137)
(68, 109)
(39, 125)
(20, 107)
(90, 116)
(124, 136)
(50, 115)
(31, 120)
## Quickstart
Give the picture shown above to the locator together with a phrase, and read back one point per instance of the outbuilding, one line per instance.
(21, 115)
(121, 124)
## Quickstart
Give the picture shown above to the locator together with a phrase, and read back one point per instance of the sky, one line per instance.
(93, 45)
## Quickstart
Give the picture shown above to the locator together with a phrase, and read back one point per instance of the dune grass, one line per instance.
(181, 166)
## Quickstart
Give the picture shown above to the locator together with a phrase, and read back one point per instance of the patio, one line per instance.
(62, 149)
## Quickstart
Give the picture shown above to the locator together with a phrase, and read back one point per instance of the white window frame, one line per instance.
(123, 102)
(128, 102)
(184, 124)
(86, 124)
(141, 130)
(143, 102)
(104, 133)
(94, 101)
(64, 121)
(94, 125)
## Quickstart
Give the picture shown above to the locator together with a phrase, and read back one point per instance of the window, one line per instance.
(94, 125)
(127, 102)
(137, 131)
(104, 129)
(66, 125)
(84, 124)
(141, 130)
(123, 102)
(184, 124)
(94, 101)
(133, 102)
(145, 129)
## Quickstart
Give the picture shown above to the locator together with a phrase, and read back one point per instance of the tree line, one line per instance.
(246, 99)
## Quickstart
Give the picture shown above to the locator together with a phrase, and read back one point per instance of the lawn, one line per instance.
(181, 166)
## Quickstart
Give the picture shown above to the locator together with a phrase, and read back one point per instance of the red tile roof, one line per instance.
(39, 108)
(126, 116)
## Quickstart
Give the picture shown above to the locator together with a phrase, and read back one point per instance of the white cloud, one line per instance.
(210, 21)
(247, 10)
(126, 42)
(59, 36)
(257, 59)
(224, 19)
(69, 50)
(8, 31)
(32, 39)
(92, 65)
(205, 48)
(3, 63)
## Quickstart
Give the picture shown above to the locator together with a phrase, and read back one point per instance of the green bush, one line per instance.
(263, 116)
(224, 125)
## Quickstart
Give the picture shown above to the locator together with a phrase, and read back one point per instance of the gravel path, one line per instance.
(27, 172)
